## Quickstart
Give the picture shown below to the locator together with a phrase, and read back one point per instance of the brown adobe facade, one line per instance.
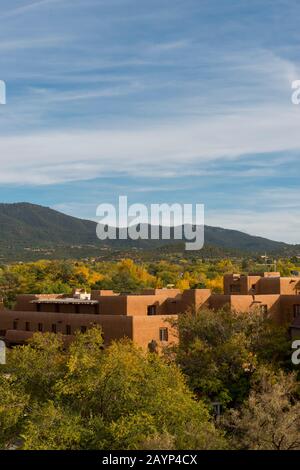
(145, 317)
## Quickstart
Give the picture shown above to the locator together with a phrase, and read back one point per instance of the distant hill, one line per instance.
(29, 231)
(234, 239)
(31, 224)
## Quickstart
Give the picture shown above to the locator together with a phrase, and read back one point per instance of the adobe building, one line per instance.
(275, 296)
(145, 317)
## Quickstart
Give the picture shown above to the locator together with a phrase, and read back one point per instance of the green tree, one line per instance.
(86, 397)
(13, 402)
(124, 383)
(270, 417)
(54, 428)
(219, 351)
(38, 365)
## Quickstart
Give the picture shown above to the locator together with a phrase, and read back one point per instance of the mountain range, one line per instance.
(29, 231)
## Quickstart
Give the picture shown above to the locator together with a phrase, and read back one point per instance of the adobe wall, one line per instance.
(195, 298)
(167, 304)
(249, 302)
(283, 285)
(244, 303)
(162, 292)
(23, 301)
(287, 307)
(142, 330)
(244, 284)
(95, 294)
(146, 329)
(112, 305)
(289, 286)
(218, 301)
(137, 304)
(114, 327)
(268, 285)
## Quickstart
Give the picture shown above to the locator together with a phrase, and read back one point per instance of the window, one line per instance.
(296, 310)
(15, 325)
(235, 288)
(54, 328)
(57, 308)
(264, 309)
(151, 310)
(83, 329)
(77, 308)
(38, 307)
(40, 327)
(163, 334)
(27, 326)
(68, 329)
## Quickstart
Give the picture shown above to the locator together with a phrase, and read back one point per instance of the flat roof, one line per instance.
(69, 300)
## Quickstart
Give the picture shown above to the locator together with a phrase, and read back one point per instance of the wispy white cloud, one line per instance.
(28, 7)
(168, 46)
(104, 92)
(150, 91)
(32, 43)
(156, 150)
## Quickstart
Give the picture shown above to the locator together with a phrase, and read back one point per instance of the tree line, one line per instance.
(84, 396)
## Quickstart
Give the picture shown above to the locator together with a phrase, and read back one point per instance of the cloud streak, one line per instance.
(156, 150)
(28, 8)
(196, 96)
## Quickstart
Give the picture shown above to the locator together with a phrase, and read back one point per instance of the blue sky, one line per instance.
(164, 101)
